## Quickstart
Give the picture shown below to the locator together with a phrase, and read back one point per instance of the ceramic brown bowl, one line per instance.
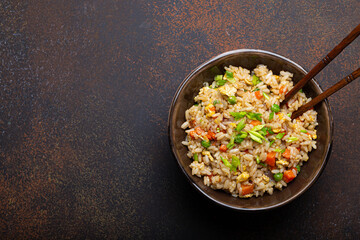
(248, 58)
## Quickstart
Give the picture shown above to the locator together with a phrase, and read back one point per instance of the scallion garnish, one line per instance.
(254, 116)
(226, 163)
(238, 115)
(266, 96)
(292, 139)
(235, 162)
(196, 158)
(240, 125)
(230, 76)
(275, 108)
(280, 135)
(303, 131)
(271, 143)
(271, 116)
(257, 159)
(216, 102)
(255, 80)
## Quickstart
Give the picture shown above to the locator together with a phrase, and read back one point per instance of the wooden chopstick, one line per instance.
(323, 63)
(336, 87)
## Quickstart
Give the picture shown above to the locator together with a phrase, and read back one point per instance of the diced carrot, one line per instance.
(294, 169)
(246, 189)
(213, 143)
(223, 148)
(282, 89)
(192, 134)
(286, 154)
(258, 95)
(212, 109)
(211, 135)
(270, 159)
(192, 123)
(255, 122)
(288, 176)
(199, 131)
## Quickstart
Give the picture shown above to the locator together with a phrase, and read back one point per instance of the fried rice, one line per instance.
(240, 140)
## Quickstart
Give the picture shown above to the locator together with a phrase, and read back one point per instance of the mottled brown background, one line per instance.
(85, 90)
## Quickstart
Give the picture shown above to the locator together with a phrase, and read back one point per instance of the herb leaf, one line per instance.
(238, 115)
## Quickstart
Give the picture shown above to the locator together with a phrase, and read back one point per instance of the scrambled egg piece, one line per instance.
(227, 90)
(280, 163)
(314, 136)
(208, 154)
(248, 81)
(242, 177)
(281, 116)
(210, 110)
(277, 130)
(266, 178)
(233, 124)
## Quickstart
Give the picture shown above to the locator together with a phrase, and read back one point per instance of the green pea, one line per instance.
(232, 100)
(275, 108)
(205, 144)
(278, 176)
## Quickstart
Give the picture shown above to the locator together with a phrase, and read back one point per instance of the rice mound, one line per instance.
(230, 116)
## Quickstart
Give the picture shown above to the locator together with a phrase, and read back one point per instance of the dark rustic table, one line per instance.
(85, 91)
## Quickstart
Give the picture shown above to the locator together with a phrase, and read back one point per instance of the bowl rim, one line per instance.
(172, 146)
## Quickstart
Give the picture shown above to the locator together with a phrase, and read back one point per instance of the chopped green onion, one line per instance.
(216, 102)
(256, 89)
(196, 104)
(230, 76)
(230, 145)
(301, 91)
(269, 130)
(255, 80)
(279, 150)
(218, 130)
(271, 116)
(263, 164)
(240, 137)
(257, 134)
(298, 168)
(254, 116)
(226, 162)
(303, 131)
(257, 128)
(245, 90)
(275, 108)
(263, 131)
(221, 82)
(278, 176)
(289, 114)
(196, 158)
(292, 139)
(218, 77)
(257, 159)
(205, 144)
(255, 138)
(238, 115)
(232, 100)
(280, 135)
(266, 96)
(271, 143)
(240, 125)
(235, 162)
